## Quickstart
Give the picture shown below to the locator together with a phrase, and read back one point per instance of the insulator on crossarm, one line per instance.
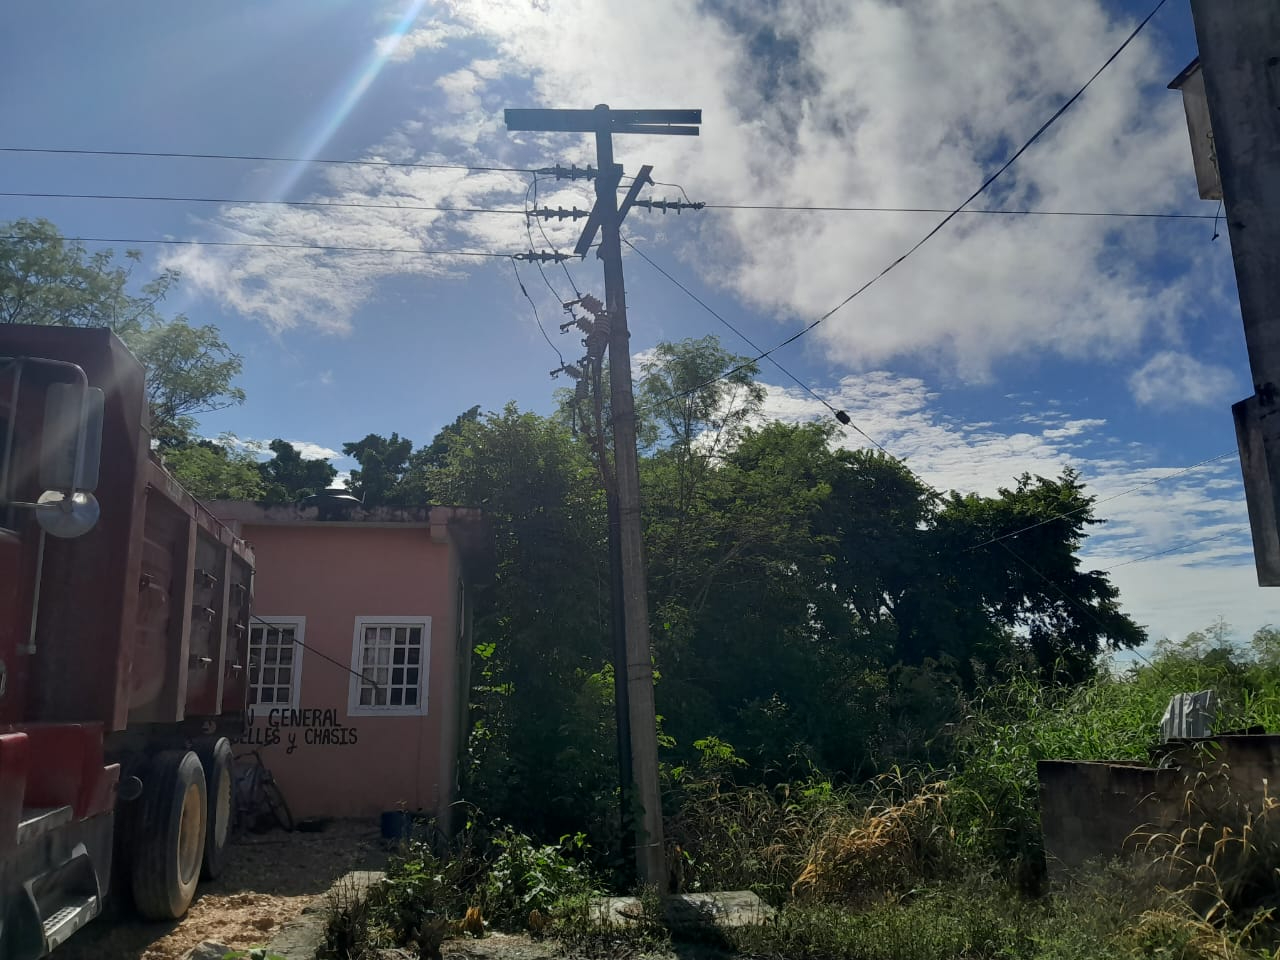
(573, 172)
(541, 257)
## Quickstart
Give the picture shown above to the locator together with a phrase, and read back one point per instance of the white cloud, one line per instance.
(461, 89)
(811, 102)
(1072, 428)
(1172, 379)
(429, 38)
(315, 451)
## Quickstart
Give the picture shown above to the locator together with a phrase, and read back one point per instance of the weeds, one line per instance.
(900, 839)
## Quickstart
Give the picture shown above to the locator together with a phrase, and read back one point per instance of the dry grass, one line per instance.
(1219, 876)
(899, 838)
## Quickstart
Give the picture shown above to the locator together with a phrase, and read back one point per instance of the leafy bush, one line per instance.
(525, 877)
(435, 888)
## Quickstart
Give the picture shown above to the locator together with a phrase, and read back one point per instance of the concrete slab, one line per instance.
(301, 938)
(690, 911)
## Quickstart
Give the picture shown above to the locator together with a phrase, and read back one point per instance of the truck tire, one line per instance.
(169, 843)
(217, 760)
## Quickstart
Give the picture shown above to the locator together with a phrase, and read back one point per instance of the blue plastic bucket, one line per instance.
(397, 825)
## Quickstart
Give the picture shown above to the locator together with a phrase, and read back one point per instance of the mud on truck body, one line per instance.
(124, 610)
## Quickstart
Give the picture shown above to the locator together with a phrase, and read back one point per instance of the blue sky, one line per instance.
(1006, 344)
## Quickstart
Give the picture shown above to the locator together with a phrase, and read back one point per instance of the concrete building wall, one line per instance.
(331, 760)
(1092, 811)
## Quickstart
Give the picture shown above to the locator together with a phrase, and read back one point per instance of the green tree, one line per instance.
(289, 477)
(215, 470)
(542, 750)
(383, 462)
(1012, 561)
(46, 279)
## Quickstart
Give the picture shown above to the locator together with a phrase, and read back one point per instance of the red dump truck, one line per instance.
(124, 614)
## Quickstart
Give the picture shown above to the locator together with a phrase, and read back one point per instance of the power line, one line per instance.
(511, 211)
(950, 216)
(998, 212)
(1074, 601)
(1114, 496)
(1162, 553)
(235, 201)
(323, 656)
(173, 155)
(838, 414)
(323, 248)
(537, 319)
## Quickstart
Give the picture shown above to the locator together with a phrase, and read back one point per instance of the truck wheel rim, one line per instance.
(190, 835)
(222, 812)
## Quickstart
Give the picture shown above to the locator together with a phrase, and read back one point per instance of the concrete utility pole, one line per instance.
(1238, 131)
(606, 217)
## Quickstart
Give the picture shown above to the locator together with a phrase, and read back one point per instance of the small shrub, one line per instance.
(525, 876)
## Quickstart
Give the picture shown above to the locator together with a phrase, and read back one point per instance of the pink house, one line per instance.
(360, 649)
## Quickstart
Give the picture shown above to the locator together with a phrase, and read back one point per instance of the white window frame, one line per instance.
(299, 625)
(354, 708)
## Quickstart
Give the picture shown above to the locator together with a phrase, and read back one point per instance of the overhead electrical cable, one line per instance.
(1115, 496)
(512, 211)
(953, 213)
(264, 245)
(838, 414)
(536, 318)
(174, 155)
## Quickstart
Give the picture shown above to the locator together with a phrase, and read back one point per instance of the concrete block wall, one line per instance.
(1091, 810)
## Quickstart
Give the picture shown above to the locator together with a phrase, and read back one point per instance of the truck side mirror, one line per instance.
(72, 423)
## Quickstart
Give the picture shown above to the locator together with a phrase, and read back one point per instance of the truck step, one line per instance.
(37, 821)
(69, 916)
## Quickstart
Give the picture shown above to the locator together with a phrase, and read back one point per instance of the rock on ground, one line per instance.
(208, 950)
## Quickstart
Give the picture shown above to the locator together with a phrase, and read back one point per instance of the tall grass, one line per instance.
(949, 862)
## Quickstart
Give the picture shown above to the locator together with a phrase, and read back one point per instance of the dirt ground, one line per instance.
(268, 880)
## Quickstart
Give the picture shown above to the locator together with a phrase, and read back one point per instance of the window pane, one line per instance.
(369, 655)
(268, 674)
(366, 696)
(400, 636)
(398, 655)
(267, 695)
(384, 655)
(380, 697)
(397, 676)
(411, 697)
(415, 636)
(384, 636)
(284, 675)
(270, 655)
(414, 654)
(411, 676)
(370, 634)
(397, 698)
(286, 655)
